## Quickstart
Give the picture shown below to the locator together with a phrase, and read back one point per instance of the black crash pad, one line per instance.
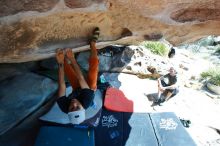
(125, 129)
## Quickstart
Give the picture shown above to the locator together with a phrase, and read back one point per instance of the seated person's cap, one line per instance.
(77, 117)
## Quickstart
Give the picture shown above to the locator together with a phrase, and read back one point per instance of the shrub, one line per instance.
(213, 76)
(155, 47)
(215, 80)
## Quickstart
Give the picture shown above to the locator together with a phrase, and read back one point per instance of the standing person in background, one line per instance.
(171, 53)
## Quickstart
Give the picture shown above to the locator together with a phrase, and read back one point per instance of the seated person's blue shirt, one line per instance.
(84, 96)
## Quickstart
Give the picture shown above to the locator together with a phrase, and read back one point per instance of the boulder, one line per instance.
(33, 30)
(21, 95)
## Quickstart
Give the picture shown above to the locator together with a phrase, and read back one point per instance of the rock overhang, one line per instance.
(33, 30)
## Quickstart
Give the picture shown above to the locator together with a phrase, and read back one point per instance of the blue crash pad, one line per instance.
(64, 136)
(124, 129)
(169, 130)
(138, 130)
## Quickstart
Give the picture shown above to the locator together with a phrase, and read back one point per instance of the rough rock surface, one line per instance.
(32, 30)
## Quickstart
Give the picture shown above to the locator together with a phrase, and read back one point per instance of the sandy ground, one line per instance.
(190, 104)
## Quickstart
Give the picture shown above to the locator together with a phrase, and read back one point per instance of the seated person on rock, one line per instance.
(167, 86)
(75, 104)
